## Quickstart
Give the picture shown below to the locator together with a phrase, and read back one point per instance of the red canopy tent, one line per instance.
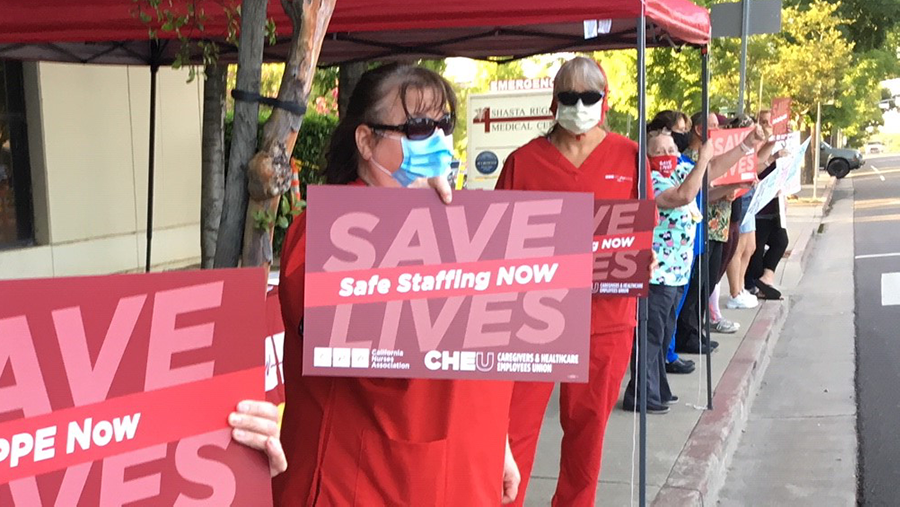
(106, 31)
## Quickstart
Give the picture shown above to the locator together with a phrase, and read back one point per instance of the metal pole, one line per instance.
(151, 159)
(745, 27)
(642, 194)
(817, 154)
(704, 260)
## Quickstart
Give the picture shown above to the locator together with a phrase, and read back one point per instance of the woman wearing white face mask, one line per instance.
(578, 155)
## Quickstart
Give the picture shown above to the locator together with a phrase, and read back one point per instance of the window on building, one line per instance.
(16, 217)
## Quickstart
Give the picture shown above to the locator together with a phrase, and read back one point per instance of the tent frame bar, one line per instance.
(155, 50)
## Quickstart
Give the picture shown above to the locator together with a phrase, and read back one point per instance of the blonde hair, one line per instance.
(579, 71)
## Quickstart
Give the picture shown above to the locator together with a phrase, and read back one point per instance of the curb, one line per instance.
(700, 470)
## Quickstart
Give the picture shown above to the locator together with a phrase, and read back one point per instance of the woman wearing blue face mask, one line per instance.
(366, 441)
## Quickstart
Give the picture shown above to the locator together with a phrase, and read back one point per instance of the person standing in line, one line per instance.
(688, 333)
(675, 185)
(372, 441)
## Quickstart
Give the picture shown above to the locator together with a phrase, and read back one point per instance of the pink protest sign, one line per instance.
(116, 389)
(495, 286)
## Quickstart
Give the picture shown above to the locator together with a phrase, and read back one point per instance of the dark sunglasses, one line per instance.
(572, 98)
(420, 128)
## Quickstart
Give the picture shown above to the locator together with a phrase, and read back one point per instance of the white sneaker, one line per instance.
(743, 301)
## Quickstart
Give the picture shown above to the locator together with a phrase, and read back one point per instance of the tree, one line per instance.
(243, 137)
(212, 193)
(269, 171)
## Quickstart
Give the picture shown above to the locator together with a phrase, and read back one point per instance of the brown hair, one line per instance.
(369, 103)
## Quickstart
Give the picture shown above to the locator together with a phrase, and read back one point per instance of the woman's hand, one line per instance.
(438, 183)
(255, 424)
(511, 477)
(706, 153)
(654, 263)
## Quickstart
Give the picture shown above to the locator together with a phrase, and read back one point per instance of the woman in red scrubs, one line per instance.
(578, 155)
(386, 442)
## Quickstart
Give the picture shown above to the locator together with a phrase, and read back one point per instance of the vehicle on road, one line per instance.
(873, 147)
(839, 161)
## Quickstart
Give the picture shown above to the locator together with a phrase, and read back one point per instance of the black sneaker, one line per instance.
(671, 401)
(695, 349)
(680, 367)
(651, 408)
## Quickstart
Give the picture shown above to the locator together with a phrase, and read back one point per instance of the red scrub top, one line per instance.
(382, 442)
(610, 172)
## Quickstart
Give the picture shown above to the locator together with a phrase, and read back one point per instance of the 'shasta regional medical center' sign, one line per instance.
(495, 286)
(116, 390)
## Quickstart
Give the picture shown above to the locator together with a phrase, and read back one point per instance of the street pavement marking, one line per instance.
(890, 289)
(877, 172)
(878, 256)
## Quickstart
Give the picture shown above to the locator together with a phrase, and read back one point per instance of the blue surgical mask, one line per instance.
(425, 158)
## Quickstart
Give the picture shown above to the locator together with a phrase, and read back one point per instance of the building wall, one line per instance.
(88, 132)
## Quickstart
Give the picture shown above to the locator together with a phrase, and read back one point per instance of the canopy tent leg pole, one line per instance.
(642, 194)
(704, 257)
(151, 161)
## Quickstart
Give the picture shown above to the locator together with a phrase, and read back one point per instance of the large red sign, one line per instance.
(781, 116)
(724, 140)
(623, 247)
(116, 390)
(495, 286)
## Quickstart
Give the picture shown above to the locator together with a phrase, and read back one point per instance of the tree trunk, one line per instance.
(244, 133)
(212, 191)
(269, 172)
(348, 75)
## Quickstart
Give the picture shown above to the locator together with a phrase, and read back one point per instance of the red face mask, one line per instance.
(664, 164)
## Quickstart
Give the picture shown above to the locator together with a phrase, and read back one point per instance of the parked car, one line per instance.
(838, 161)
(874, 147)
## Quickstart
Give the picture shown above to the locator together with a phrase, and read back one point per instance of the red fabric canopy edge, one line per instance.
(53, 21)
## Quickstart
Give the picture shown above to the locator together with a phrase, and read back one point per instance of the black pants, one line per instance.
(687, 335)
(661, 315)
(769, 232)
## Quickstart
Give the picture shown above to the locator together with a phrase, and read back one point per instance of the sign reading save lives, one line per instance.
(495, 286)
(623, 243)
(725, 140)
(116, 389)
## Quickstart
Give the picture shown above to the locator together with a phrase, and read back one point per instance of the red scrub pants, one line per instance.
(584, 410)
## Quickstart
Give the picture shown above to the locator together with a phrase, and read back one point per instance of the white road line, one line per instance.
(878, 256)
(890, 289)
(877, 172)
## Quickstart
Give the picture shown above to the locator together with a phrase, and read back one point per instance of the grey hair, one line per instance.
(579, 71)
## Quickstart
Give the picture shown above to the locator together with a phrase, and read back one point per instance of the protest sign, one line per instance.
(623, 247)
(723, 141)
(781, 116)
(117, 389)
(495, 286)
(775, 182)
(792, 178)
(274, 343)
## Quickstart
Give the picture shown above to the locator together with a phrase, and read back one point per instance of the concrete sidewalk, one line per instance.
(799, 447)
(688, 448)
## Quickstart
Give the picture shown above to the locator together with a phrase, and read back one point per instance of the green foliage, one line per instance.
(186, 20)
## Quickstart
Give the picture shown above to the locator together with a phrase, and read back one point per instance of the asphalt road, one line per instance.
(877, 276)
